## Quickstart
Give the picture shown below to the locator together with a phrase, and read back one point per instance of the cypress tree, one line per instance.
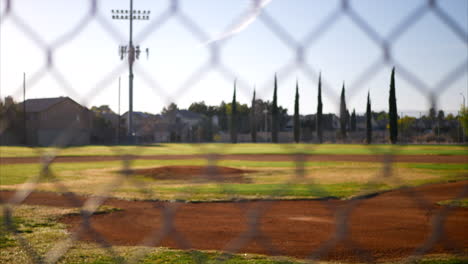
(353, 120)
(393, 114)
(368, 120)
(234, 117)
(274, 115)
(253, 121)
(348, 120)
(319, 118)
(343, 113)
(297, 122)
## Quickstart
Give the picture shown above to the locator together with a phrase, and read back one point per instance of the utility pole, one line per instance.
(118, 118)
(132, 53)
(25, 136)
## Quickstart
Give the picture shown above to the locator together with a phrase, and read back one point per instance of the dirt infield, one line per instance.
(195, 173)
(254, 157)
(388, 226)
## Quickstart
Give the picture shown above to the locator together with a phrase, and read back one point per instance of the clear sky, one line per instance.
(88, 62)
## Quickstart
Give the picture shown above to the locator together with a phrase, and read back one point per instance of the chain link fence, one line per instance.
(214, 155)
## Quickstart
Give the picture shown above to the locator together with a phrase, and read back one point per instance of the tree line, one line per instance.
(269, 117)
(347, 121)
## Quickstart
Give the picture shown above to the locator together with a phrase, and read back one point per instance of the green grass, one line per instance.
(441, 260)
(5, 239)
(247, 148)
(437, 166)
(20, 173)
(265, 191)
(462, 203)
(266, 179)
(195, 256)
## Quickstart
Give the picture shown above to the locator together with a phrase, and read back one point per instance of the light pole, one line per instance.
(132, 54)
(25, 137)
(463, 99)
(118, 118)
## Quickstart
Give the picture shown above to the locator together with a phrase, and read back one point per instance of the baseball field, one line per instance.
(243, 203)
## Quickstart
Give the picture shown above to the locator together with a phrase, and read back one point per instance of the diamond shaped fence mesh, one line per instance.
(295, 216)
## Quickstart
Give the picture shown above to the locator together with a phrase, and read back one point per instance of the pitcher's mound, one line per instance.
(195, 173)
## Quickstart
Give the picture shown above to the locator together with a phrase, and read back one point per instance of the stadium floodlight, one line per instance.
(131, 52)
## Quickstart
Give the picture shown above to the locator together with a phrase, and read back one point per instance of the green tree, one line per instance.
(343, 113)
(450, 117)
(353, 121)
(297, 121)
(222, 113)
(199, 107)
(103, 109)
(169, 109)
(368, 120)
(275, 114)
(441, 115)
(319, 119)
(380, 116)
(253, 121)
(205, 130)
(12, 120)
(234, 117)
(393, 113)
(464, 119)
(432, 114)
(405, 124)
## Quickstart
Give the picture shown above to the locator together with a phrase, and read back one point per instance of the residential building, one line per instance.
(56, 121)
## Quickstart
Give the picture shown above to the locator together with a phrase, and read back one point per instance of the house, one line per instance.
(162, 131)
(105, 127)
(188, 117)
(331, 122)
(179, 126)
(361, 122)
(143, 125)
(56, 121)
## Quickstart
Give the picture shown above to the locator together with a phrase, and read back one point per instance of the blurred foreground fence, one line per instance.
(215, 62)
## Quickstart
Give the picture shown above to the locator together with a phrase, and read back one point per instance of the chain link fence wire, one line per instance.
(213, 155)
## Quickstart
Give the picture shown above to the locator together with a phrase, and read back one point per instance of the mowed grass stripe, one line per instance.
(20, 173)
(277, 179)
(247, 148)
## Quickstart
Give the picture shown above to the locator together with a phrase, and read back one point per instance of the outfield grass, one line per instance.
(265, 179)
(247, 148)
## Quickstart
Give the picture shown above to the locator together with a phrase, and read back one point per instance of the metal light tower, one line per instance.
(118, 118)
(131, 52)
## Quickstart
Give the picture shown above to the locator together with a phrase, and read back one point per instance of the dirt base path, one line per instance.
(388, 226)
(256, 157)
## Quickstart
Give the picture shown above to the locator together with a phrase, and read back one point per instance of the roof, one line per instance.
(42, 104)
(137, 114)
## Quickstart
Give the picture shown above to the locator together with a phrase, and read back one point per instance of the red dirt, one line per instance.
(195, 173)
(254, 157)
(388, 226)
